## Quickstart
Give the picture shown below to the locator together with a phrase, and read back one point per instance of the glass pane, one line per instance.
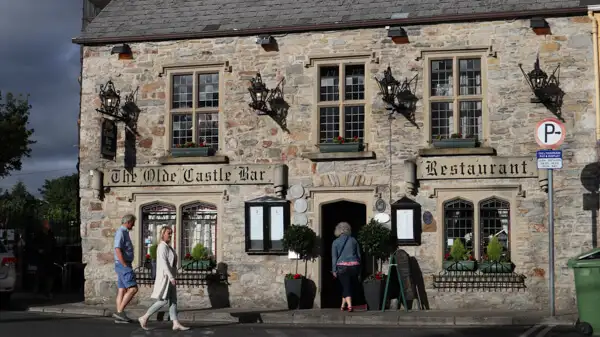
(182, 129)
(495, 221)
(442, 123)
(470, 76)
(257, 228)
(183, 87)
(458, 223)
(208, 90)
(441, 78)
(470, 119)
(276, 230)
(355, 82)
(330, 83)
(199, 224)
(154, 217)
(329, 124)
(208, 129)
(354, 120)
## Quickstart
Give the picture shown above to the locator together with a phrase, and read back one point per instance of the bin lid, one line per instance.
(587, 259)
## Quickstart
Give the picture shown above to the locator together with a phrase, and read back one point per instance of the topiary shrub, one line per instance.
(376, 240)
(494, 250)
(302, 240)
(199, 252)
(152, 252)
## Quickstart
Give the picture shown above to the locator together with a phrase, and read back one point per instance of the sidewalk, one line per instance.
(331, 316)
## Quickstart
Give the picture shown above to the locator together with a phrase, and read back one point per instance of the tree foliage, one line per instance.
(18, 206)
(14, 133)
(375, 239)
(60, 197)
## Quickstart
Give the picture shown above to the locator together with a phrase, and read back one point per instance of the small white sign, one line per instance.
(549, 163)
(404, 226)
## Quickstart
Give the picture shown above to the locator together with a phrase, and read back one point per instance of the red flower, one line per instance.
(147, 256)
(297, 276)
(188, 256)
(447, 256)
(379, 276)
(471, 258)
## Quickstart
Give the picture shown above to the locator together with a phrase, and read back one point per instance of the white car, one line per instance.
(8, 273)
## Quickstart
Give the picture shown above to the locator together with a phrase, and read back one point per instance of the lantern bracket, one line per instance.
(269, 102)
(546, 89)
(399, 96)
(110, 105)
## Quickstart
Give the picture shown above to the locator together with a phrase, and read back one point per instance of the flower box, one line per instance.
(193, 152)
(344, 147)
(459, 265)
(454, 143)
(490, 267)
(196, 265)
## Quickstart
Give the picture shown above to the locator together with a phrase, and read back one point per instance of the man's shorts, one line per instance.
(125, 276)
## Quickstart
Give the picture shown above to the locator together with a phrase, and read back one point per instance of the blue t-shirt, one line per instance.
(123, 241)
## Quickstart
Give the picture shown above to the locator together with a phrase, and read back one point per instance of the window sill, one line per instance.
(279, 253)
(168, 160)
(467, 151)
(333, 156)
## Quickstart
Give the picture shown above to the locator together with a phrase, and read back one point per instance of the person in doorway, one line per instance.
(345, 253)
(164, 291)
(125, 276)
(45, 244)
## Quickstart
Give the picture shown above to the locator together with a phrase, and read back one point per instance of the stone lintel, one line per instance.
(472, 151)
(193, 160)
(318, 156)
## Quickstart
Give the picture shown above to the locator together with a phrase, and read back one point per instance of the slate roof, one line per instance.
(141, 20)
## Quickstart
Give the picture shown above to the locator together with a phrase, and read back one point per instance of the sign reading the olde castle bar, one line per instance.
(191, 175)
(476, 167)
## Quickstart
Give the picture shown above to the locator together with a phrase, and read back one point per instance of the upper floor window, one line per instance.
(456, 97)
(341, 102)
(194, 109)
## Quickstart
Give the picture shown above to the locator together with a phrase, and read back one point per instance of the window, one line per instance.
(460, 219)
(341, 102)
(154, 217)
(199, 224)
(194, 107)
(265, 225)
(455, 96)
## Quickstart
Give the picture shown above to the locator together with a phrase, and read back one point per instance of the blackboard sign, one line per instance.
(108, 141)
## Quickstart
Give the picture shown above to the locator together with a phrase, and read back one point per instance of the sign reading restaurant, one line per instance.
(476, 167)
(190, 175)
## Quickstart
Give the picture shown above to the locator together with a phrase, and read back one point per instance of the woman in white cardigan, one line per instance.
(164, 285)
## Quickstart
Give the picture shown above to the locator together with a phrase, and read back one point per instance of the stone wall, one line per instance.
(248, 138)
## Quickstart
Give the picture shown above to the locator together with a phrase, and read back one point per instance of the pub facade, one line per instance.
(338, 119)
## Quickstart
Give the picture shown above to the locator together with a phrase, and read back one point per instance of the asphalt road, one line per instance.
(17, 324)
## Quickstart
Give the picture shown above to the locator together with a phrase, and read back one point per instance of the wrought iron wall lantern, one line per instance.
(545, 88)
(398, 96)
(110, 105)
(269, 102)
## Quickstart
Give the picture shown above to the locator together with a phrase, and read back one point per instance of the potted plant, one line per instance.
(456, 140)
(191, 149)
(151, 260)
(341, 144)
(375, 240)
(494, 261)
(302, 241)
(459, 258)
(199, 259)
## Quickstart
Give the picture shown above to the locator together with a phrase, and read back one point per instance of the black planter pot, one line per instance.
(373, 294)
(293, 292)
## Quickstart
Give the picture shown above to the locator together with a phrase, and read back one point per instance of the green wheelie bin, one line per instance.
(586, 269)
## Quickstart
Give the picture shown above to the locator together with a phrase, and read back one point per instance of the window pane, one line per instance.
(182, 129)
(330, 83)
(470, 119)
(458, 223)
(208, 129)
(354, 120)
(441, 78)
(355, 82)
(470, 76)
(276, 230)
(442, 123)
(495, 221)
(208, 90)
(257, 228)
(199, 225)
(182, 91)
(154, 217)
(329, 124)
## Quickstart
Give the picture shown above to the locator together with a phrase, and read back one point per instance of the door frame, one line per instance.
(326, 195)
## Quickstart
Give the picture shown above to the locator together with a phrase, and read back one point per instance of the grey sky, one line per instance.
(38, 58)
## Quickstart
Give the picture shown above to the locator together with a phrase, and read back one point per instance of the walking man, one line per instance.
(125, 277)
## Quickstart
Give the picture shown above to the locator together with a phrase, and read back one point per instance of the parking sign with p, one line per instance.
(550, 133)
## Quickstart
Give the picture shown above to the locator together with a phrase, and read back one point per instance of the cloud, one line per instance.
(38, 58)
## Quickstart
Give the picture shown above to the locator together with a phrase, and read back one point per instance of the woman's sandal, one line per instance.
(350, 309)
(343, 308)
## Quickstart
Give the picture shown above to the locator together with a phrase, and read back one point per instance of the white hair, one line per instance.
(342, 228)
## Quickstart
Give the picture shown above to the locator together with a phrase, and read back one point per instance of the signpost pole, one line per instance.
(551, 240)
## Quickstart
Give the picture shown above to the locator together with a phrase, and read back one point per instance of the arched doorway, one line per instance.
(333, 213)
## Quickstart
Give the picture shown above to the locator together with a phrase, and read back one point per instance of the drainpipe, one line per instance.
(594, 14)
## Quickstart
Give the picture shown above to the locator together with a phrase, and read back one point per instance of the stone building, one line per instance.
(188, 65)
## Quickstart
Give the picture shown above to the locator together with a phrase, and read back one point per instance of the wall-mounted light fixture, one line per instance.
(398, 35)
(545, 88)
(539, 26)
(398, 95)
(265, 40)
(124, 52)
(267, 101)
(110, 105)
